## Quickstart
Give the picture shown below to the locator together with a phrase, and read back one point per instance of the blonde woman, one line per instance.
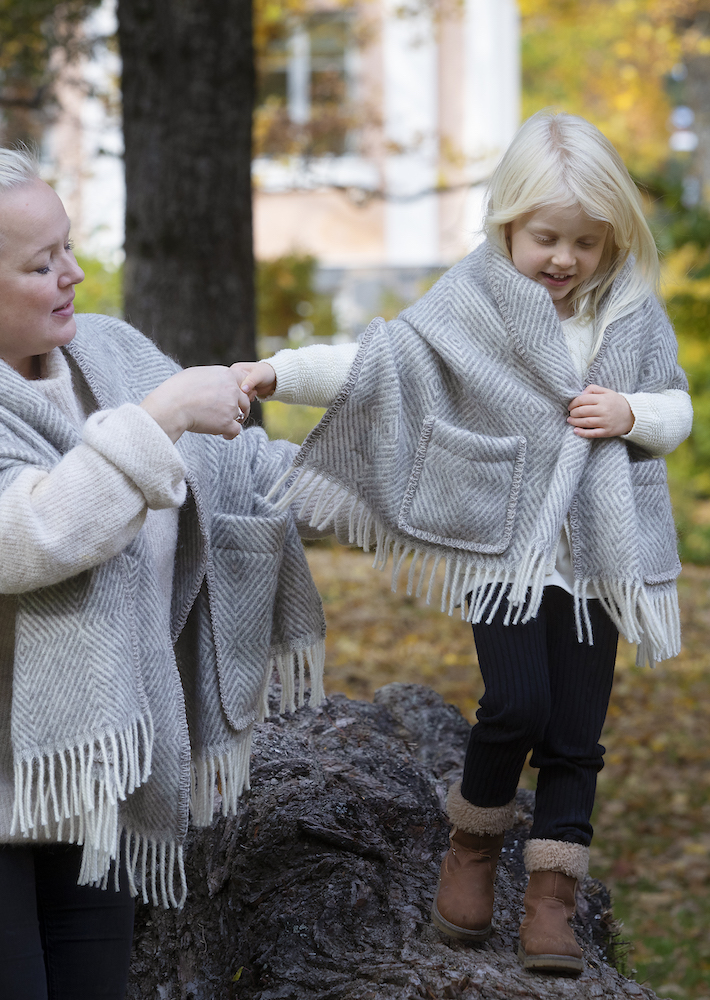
(510, 424)
(140, 567)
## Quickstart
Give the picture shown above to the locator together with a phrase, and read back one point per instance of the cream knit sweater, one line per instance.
(126, 475)
(315, 375)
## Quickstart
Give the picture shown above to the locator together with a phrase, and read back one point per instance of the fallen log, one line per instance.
(320, 887)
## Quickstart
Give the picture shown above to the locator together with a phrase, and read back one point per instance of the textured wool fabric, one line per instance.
(450, 442)
(556, 856)
(478, 820)
(314, 375)
(107, 734)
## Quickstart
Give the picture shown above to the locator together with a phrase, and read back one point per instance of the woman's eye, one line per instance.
(43, 270)
(69, 245)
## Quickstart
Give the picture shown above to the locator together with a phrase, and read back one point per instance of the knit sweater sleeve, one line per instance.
(91, 504)
(312, 375)
(661, 419)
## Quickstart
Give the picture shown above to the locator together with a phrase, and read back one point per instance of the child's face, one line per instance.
(560, 248)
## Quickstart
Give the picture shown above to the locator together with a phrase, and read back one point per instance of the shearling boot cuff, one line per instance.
(556, 856)
(478, 820)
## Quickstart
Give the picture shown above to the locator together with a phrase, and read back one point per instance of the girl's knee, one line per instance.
(522, 721)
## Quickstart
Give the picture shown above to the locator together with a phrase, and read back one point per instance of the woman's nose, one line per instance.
(72, 275)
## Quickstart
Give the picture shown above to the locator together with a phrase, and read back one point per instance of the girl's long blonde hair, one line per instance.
(561, 160)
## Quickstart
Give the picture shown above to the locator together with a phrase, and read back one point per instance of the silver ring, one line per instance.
(241, 417)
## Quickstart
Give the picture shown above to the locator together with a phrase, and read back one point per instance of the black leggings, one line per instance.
(548, 693)
(60, 940)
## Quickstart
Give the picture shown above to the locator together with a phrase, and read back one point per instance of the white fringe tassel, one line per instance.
(151, 866)
(287, 663)
(229, 771)
(72, 794)
(650, 619)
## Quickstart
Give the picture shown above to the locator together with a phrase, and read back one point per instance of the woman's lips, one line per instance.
(66, 310)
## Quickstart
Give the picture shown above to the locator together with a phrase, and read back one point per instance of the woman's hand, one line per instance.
(257, 378)
(600, 412)
(203, 400)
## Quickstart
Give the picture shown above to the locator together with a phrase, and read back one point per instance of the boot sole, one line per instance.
(454, 931)
(551, 963)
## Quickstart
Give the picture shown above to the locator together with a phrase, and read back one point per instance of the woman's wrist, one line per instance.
(168, 416)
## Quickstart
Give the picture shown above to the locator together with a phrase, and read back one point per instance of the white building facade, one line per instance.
(439, 98)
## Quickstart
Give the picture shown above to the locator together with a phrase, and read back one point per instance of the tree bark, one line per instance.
(187, 104)
(320, 887)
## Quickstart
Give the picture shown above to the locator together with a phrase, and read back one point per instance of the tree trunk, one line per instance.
(187, 104)
(320, 887)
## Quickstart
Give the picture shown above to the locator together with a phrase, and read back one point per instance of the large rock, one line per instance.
(320, 888)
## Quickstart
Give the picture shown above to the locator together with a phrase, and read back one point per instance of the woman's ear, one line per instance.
(507, 230)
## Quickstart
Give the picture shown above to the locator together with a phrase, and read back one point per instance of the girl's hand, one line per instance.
(203, 400)
(258, 378)
(600, 412)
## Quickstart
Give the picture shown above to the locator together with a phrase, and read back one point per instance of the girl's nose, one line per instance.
(563, 256)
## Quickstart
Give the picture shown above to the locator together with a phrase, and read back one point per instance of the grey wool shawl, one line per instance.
(114, 737)
(450, 442)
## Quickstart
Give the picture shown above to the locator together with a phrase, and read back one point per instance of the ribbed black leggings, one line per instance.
(60, 940)
(548, 693)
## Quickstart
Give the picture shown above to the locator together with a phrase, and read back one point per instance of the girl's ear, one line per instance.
(508, 230)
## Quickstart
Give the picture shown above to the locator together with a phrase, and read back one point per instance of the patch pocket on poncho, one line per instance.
(654, 514)
(246, 559)
(463, 490)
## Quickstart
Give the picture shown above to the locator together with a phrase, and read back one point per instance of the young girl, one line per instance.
(509, 424)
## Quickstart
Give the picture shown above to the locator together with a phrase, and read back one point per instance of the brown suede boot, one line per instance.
(547, 942)
(463, 905)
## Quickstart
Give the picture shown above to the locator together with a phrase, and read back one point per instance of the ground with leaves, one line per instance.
(651, 846)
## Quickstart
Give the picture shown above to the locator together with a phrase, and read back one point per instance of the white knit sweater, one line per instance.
(315, 375)
(125, 476)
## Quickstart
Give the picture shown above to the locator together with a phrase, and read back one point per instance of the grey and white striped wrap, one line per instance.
(110, 734)
(450, 442)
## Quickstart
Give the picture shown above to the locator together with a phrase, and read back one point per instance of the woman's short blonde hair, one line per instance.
(562, 160)
(17, 166)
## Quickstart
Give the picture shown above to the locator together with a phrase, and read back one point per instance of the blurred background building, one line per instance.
(376, 127)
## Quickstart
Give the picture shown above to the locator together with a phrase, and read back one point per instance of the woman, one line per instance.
(145, 589)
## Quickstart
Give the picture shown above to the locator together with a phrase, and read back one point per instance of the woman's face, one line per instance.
(38, 272)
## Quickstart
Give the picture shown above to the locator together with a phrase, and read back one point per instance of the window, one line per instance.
(303, 97)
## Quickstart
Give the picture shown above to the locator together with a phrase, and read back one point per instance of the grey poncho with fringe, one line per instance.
(113, 739)
(450, 442)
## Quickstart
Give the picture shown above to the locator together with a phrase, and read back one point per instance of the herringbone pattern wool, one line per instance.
(450, 442)
(108, 735)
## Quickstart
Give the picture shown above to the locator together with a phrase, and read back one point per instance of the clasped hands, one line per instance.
(600, 412)
(205, 400)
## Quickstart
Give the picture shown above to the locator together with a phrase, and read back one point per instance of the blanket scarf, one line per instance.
(114, 740)
(450, 442)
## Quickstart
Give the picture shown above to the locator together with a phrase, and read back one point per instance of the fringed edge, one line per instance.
(650, 619)
(292, 661)
(230, 770)
(73, 793)
(151, 866)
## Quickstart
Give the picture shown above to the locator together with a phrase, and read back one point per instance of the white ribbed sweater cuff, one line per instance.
(661, 419)
(136, 444)
(312, 375)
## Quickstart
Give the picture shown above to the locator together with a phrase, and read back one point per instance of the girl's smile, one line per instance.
(558, 247)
